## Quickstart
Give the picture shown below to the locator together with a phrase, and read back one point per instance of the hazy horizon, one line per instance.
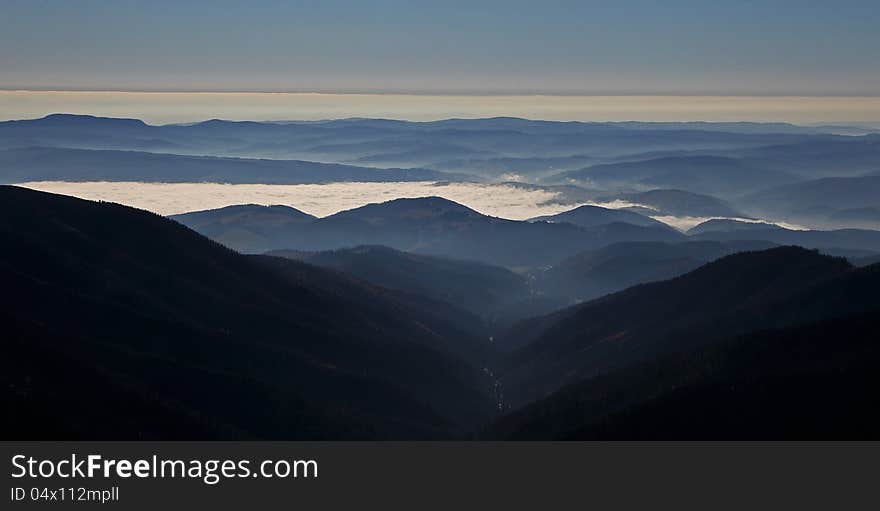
(186, 107)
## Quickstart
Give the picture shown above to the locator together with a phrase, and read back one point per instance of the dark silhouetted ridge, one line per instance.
(474, 286)
(799, 383)
(735, 294)
(178, 337)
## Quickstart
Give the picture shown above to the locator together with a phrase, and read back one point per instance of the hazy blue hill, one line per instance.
(84, 131)
(821, 200)
(733, 295)
(276, 213)
(81, 122)
(477, 287)
(494, 148)
(623, 231)
(821, 157)
(745, 127)
(523, 166)
(616, 267)
(384, 150)
(681, 203)
(408, 210)
(412, 141)
(731, 230)
(440, 227)
(422, 155)
(518, 138)
(60, 164)
(807, 382)
(247, 225)
(728, 225)
(436, 226)
(178, 337)
(592, 216)
(832, 192)
(742, 132)
(701, 174)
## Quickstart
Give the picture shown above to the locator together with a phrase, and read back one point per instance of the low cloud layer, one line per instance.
(505, 201)
(317, 199)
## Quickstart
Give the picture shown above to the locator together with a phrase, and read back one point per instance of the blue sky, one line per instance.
(622, 47)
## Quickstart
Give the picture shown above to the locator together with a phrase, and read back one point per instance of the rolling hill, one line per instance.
(440, 227)
(616, 267)
(477, 287)
(825, 157)
(832, 201)
(840, 239)
(680, 203)
(798, 383)
(733, 295)
(178, 337)
(248, 225)
(593, 216)
(64, 164)
(713, 175)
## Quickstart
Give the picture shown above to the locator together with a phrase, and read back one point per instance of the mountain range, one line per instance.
(841, 239)
(718, 175)
(671, 202)
(428, 225)
(595, 273)
(832, 201)
(476, 287)
(594, 216)
(798, 383)
(437, 226)
(772, 171)
(64, 164)
(734, 295)
(179, 337)
(754, 317)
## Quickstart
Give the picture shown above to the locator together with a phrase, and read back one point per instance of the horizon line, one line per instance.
(837, 123)
(451, 93)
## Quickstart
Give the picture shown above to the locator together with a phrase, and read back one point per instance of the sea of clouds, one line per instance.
(500, 200)
(317, 199)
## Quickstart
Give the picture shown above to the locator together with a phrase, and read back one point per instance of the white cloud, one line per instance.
(499, 200)
(317, 199)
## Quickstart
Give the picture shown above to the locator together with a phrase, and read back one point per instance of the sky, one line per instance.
(790, 48)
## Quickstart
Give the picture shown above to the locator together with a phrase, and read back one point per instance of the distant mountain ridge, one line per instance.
(248, 225)
(593, 216)
(700, 174)
(403, 143)
(63, 164)
(432, 226)
(825, 201)
(732, 230)
(673, 202)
